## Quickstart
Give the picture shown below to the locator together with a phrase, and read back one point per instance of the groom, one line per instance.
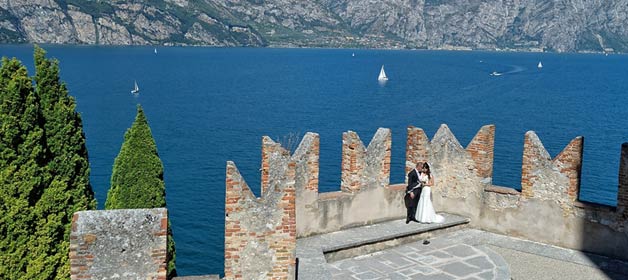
(413, 191)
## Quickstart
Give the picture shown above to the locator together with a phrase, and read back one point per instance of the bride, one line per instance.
(425, 210)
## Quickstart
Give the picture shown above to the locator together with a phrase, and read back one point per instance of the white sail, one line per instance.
(540, 65)
(136, 89)
(382, 75)
(155, 50)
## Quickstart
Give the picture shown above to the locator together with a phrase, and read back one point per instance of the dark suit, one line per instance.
(414, 187)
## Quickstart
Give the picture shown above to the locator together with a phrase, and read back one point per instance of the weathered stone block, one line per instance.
(129, 244)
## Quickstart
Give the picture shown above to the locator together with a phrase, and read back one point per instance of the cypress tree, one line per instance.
(66, 150)
(44, 171)
(68, 189)
(22, 170)
(137, 180)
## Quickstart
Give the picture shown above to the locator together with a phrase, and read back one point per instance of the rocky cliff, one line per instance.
(561, 25)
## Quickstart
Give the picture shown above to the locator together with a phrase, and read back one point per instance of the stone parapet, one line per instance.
(125, 244)
(306, 157)
(353, 162)
(417, 148)
(546, 210)
(569, 163)
(272, 153)
(365, 181)
(363, 167)
(377, 169)
(260, 233)
(481, 150)
(551, 179)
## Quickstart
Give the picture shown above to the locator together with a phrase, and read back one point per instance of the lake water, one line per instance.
(206, 106)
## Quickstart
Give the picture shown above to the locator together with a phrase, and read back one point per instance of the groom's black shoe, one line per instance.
(407, 221)
(426, 242)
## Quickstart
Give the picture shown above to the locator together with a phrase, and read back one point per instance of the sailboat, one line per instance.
(382, 75)
(155, 50)
(136, 89)
(540, 65)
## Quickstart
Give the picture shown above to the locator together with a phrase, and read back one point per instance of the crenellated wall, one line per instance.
(459, 173)
(119, 244)
(364, 167)
(365, 196)
(260, 233)
(546, 210)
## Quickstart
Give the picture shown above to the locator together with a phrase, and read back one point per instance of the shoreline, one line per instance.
(448, 48)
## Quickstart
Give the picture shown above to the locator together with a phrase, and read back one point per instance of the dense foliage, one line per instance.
(137, 180)
(44, 170)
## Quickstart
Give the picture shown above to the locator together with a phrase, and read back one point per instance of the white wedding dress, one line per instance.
(425, 210)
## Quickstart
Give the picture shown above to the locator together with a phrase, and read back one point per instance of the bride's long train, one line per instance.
(425, 210)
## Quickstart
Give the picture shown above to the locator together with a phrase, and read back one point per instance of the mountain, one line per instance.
(537, 25)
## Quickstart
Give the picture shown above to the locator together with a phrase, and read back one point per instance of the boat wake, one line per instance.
(514, 70)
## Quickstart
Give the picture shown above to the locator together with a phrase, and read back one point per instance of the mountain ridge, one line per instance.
(524, 25)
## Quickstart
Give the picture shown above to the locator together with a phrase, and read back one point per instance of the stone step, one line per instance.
(314, 252)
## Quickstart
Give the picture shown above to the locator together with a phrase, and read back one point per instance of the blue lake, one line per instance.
(210, 105)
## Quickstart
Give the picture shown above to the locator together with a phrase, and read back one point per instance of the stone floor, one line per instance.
(454, 252)
(437, 260)
(315, 252)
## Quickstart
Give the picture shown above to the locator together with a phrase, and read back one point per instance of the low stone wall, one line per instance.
(123, 244)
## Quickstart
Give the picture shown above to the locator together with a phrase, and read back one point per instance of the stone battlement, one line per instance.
(546, 210)
(261, 233)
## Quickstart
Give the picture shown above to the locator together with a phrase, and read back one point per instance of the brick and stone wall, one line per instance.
(546, 179)
(365, 196)
(565, 183)
(364, 167)
(119, 244)
(481, 150)
(458, 180)
(546, 210)
(260, 233)
(417, 148)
